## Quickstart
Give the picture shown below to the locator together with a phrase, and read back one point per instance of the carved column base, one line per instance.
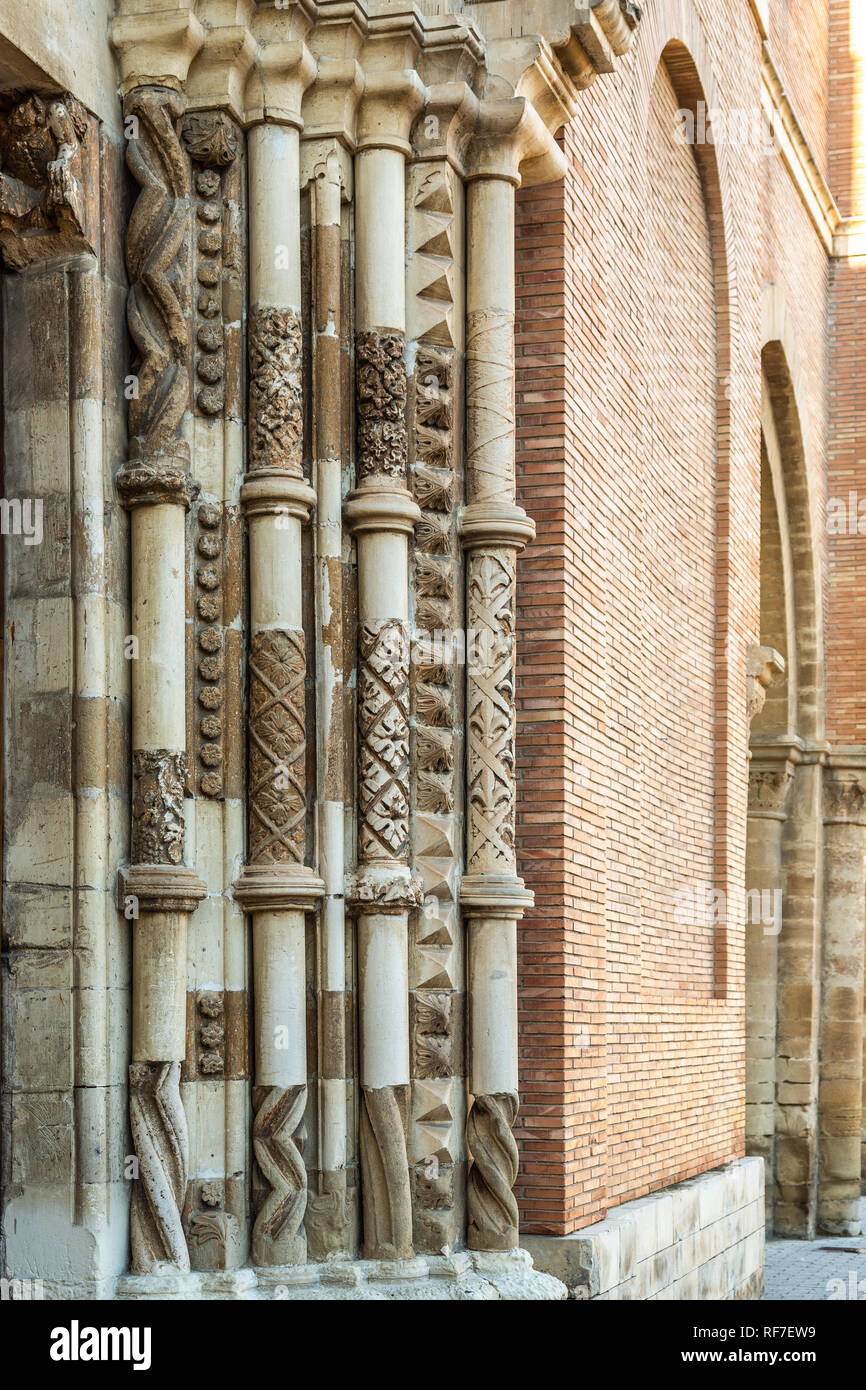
(278, 1143)
(385, 1184)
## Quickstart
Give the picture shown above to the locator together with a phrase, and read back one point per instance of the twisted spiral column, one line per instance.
(159, 891)
(159, 1133)
(492, 1206)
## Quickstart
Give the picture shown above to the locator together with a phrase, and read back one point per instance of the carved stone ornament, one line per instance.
(278, 1143)
(380, 376)
(764, 667)
(768, 790)
(42, 204)
(157, 258)
(491, 713)
(159, 778)
(845, 796)
(277, 747)
(276, 415)
(211, 137)
(383, 756)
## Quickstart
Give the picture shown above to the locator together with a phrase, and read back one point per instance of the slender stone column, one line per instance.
(840, 1092)
(493, 530)
(771, 772)
(381, 513)
(276, 887)
(159, 890)
(329, 1223)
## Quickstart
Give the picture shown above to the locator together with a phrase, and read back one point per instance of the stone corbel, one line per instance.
(43, 206)
(579, 43)
(764, 667)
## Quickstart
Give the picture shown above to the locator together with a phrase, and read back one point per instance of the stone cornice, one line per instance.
(330, 63)
(843, 238)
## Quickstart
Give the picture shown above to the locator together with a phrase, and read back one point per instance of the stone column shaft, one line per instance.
(769, 784)
(159, 890)
(276, 887)
(330, 1224)
(840, 1092)
(382, 513)
(493, 529)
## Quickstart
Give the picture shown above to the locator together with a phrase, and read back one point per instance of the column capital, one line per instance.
(384, 888)
(156, 49)
(159, 888)
(278, 79)
(444, 128)
(845, 793)
(510, 141)
(388, 108)
(771, 773)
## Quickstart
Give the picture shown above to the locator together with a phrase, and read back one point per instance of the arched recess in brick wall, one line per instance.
(689, 329)
(784, 839)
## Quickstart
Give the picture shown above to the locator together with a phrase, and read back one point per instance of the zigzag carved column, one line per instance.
(158, 889)
(276, 887)
(493, 531)
(381, 513)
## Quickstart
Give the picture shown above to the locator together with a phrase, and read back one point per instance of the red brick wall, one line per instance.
(640, 285)
(846, 629)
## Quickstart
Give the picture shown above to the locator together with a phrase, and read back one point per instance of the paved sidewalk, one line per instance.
(817, 1270)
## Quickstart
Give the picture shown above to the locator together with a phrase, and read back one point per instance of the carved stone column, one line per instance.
(840, 1093)
(381, 514)
(771, 772)
(277, 887)
(159, 890)
(493, 530)
(330, 1223)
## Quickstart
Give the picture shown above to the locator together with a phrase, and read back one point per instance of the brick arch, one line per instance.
(798, 511)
